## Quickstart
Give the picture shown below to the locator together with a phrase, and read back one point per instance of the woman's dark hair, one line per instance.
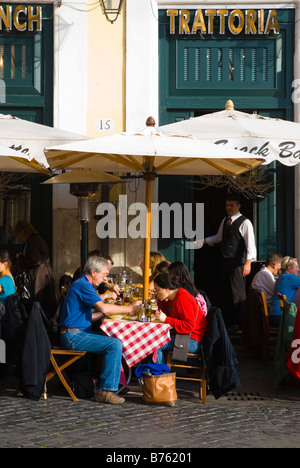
(180, 275)
(4, 256)
(160, 268)
(163, 280)
(65, 282)
(24, 227)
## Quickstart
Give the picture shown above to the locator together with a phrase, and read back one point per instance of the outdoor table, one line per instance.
(140, 339)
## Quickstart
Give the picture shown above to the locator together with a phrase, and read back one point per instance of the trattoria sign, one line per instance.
(236, 21)
(21, 18)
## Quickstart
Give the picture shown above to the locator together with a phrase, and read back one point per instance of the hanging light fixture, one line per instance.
(111, 9)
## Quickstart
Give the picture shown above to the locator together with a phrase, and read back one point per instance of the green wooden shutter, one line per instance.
(26, 70)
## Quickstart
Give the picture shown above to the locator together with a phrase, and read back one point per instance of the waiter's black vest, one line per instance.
(233, 244)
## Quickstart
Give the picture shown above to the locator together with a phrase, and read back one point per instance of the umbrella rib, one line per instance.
(62, 155)
(120, 159)
(135, 162)
(219, 166)
(31, 164)
(222, 169)
(169, 163)
(82, 156)
(247, 165)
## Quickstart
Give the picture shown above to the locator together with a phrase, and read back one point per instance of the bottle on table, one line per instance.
(142, 313)
(123, 279)
(148, 312)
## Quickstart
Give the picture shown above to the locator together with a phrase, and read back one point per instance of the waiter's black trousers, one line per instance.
(233, 292)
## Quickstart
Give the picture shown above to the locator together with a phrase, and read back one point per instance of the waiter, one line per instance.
(236, 236)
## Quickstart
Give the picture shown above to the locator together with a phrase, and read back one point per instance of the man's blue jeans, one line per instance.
(94, 342)
(194, 347)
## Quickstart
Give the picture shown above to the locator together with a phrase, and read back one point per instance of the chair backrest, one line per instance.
(54, 330)
(264, 315)
(56, 318)
(263, 302)
(254, 325)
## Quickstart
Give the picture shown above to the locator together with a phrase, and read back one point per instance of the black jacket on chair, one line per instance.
(36, 354)
(13, 325)
(219, 354)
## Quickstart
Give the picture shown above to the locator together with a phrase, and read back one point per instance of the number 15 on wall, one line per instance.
(105, 125)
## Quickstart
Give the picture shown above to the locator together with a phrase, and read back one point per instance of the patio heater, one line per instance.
(84, 192)
(84, 183)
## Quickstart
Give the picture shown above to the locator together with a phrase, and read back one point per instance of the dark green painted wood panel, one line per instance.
(28, 78)
(191, 85)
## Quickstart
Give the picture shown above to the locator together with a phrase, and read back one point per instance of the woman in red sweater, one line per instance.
(180, 309)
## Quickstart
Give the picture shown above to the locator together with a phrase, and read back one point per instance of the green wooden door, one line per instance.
(26, 91)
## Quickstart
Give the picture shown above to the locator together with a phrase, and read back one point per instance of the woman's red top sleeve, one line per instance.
(181, 315)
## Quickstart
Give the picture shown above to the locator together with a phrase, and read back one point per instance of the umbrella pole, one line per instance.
(83, 216)
(148, 178)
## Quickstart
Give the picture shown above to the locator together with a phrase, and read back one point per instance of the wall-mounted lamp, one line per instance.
(111, 9)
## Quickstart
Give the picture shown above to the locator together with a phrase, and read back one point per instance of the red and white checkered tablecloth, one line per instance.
(140, 339)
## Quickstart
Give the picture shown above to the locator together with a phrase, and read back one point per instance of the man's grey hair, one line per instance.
(95, 263)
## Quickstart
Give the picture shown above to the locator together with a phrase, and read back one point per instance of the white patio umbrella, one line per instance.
(30, 138)
(271, 138)
(149, 152)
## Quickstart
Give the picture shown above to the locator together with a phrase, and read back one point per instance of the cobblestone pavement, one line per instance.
(253, 415)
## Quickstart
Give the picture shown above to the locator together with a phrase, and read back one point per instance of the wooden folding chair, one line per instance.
(199, 374)
(61, 358)
(59, 368)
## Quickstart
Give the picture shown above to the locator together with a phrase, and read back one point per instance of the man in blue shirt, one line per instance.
(76, 326)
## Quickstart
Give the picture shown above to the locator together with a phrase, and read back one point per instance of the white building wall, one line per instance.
(70, 65)
(141, 88)
(141, 62)
(70, 69)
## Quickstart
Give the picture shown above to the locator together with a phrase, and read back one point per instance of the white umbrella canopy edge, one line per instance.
(124, 152)
(271, 138)
(13, 161)
(30, 138)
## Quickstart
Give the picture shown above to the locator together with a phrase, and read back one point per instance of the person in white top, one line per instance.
(236, 236)
(264, 280)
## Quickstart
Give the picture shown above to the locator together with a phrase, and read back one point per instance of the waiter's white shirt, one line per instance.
(247, 232)
(265, 281)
